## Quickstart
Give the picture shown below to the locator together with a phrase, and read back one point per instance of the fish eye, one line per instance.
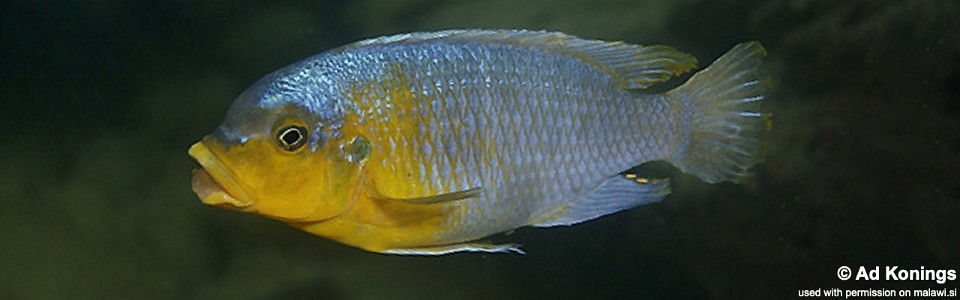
(292, 137)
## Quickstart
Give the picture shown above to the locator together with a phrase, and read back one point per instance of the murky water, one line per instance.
(102, 98)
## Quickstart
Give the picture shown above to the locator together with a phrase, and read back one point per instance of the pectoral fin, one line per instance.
(442, 198)
(454, 248)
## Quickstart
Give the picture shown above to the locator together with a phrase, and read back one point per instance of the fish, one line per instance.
(429, 143)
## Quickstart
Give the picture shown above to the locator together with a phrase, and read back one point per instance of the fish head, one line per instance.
(276, 156)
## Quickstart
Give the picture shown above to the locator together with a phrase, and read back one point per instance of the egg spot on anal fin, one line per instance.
(637, 178)
(614, 194)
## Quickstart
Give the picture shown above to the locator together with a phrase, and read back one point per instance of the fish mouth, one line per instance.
(214, 183)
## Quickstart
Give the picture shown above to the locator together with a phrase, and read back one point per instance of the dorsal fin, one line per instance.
(634, 66)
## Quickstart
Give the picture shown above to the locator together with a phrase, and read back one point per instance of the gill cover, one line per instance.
(274, 157)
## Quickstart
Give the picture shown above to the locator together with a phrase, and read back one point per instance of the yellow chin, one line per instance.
(211, 193)
(213, 182)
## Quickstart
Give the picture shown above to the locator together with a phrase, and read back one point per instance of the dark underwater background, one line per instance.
(100, 100)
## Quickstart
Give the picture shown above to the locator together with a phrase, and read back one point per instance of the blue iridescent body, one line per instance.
(505, 129)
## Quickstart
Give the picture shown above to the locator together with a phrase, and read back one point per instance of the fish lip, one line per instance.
(213, 177)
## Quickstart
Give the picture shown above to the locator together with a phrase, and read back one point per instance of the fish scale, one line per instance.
(424, 143)
(516, 132)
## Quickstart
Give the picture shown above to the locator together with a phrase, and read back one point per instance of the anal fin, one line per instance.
(615, 194)
(454, 248)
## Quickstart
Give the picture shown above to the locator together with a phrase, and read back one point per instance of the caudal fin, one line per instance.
(727, 122)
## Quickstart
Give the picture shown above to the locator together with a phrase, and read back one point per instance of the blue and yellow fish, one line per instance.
(425, 143)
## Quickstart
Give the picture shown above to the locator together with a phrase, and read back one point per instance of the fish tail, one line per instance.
(726, 124)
